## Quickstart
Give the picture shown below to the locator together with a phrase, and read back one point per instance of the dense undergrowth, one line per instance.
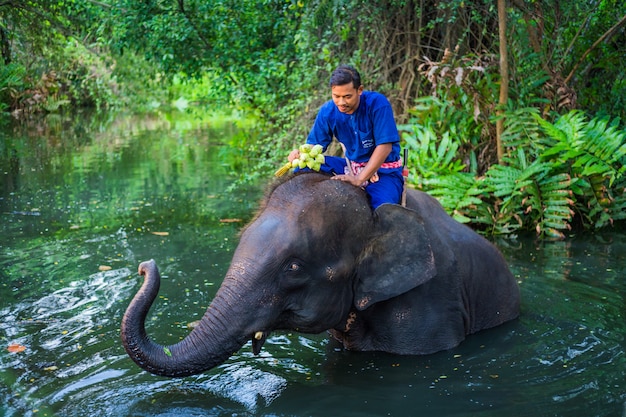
(562, 172)
(557, 177)
(564, 140)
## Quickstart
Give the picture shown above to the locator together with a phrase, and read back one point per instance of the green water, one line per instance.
(84, 200)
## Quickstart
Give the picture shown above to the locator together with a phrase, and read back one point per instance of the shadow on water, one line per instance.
(83, 203)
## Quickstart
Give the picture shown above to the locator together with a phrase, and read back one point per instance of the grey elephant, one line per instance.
(316, 257)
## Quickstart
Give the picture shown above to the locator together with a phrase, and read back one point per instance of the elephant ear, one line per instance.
(397, 258)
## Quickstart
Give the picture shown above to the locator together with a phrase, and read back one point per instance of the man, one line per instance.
(363, 122)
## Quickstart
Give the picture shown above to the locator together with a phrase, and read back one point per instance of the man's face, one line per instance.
(346, 97)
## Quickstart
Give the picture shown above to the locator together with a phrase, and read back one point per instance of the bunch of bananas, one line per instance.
(310, 157)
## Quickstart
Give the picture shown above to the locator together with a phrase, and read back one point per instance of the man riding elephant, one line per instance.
(363, 122)
(403, 280)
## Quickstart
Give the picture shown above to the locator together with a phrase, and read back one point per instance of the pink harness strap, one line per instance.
(357, 167)
(389, 165)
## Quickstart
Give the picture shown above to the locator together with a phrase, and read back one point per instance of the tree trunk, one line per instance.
(504, 79)
(5, 45)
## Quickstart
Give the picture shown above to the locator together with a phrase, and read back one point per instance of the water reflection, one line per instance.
(81, 206)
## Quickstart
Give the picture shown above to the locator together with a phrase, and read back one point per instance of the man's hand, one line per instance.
(352, 179)
(369, 171)
(293, 155)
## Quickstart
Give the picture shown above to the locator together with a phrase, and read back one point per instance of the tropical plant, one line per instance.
(272, 59)
(556, 177)
(594, 153)
(11, 81)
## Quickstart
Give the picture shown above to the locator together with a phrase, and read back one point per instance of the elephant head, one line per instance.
(316, 257)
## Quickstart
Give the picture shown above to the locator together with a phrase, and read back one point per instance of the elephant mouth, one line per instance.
(258, 339)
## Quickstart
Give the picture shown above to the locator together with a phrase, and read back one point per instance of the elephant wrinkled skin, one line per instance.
(400, 280)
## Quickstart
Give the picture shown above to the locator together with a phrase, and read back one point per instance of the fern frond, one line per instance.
(593, 153)
(556, 213)
(592, 148)
(521, 130)
(557, 184)
(457, 193)
(553, 132)
(502, 180)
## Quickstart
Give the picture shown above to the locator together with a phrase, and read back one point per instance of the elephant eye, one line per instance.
(294, 272)
(293, 266)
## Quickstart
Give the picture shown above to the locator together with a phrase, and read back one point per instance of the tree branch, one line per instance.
(605, 36)
(181, 8)
(101, 4)
(578, 33)
(504, 79)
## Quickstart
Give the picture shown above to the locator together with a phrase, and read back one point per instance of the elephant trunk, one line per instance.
(207, 346)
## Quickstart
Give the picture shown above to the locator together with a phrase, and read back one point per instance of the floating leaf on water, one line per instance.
(161, 233)
(234, 220)
(167, 351)
(16, 348)
(104, 268)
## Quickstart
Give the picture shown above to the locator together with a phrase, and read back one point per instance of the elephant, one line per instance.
(407, 280)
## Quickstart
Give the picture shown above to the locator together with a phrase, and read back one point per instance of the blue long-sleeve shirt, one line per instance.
(370, 125)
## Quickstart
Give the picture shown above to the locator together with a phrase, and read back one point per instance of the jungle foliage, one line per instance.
(563, 130)
(556, 177)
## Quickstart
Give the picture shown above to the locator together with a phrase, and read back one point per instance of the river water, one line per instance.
(84, 200)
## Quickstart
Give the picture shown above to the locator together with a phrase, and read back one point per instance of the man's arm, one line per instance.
(378, 157)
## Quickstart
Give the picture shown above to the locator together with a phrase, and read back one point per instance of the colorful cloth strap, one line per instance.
(356, 166)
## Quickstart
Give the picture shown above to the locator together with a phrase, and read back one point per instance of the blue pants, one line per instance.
(388, 188)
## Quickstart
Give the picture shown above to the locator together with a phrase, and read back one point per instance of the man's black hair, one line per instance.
(345, 74)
